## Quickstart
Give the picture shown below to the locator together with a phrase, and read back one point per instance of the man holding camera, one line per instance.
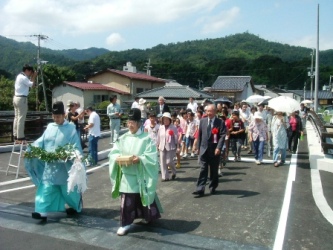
(23, 82)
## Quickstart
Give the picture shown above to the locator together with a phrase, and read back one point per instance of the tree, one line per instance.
(53, 76)
(7, 93)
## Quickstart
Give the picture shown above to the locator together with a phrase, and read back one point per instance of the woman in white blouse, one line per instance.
(279, 128)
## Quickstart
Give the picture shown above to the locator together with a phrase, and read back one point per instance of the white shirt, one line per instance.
(144, 111)
(193, 106)
(190, 128)
(96, 129)
(245, 116)
(135, 105)
(79, 111)
(264, 115)
(211, 121)
(22, 85)
(161, 108)
(152, 132)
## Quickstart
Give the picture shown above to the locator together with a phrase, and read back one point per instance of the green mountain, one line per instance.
(245, 45)
(13, 55)
(269, 63)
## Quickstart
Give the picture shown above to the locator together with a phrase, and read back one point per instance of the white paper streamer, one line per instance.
(77, 177)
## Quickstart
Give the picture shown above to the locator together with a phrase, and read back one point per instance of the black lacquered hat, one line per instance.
(134, 114)
(58, 108)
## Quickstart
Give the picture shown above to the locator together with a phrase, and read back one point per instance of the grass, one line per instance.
(326, 115)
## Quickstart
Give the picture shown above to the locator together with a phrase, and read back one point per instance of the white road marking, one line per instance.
(279, 237)
(318, 195)
(4, 183)
(318, 161)
(31, 186)
(16, 189)
(247, 159)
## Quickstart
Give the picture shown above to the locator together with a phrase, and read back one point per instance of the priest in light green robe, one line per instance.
(136, 182)
(51, 178)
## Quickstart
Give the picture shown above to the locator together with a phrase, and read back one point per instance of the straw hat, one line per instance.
(142, 101)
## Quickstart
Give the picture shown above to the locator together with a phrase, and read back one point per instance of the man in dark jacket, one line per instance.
(162, 107)
(212, 133)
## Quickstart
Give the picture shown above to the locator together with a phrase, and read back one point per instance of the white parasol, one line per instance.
(284, 104)
(306, 101)
(255, 98)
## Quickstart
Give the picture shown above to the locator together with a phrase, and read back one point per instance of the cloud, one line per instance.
(114, 39)
(84, 17)
(214, 24)
(325, 42)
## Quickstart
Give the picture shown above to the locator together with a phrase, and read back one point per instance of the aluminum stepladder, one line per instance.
(20, 154)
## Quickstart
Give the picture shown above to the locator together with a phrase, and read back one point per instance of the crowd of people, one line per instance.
(157, 140)
(251, 128)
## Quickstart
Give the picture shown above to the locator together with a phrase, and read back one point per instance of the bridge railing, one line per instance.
(36, 123)
(324, 132)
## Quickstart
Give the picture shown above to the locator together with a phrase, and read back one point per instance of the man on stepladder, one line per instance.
(23, 82)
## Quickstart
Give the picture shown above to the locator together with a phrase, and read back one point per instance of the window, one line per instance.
(100, 98)
(139, 90)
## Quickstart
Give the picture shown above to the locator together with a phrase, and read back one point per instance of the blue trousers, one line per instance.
(52, 198)
(258, 149)
(276, 154)
(93, 148)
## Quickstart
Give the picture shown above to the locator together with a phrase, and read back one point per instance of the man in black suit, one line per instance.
(161, 108)
(212, 133)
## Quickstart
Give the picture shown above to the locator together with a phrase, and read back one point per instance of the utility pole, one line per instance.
(40, 70)
(311, 74)
(200, 82)
(317, 67)
(147, 67)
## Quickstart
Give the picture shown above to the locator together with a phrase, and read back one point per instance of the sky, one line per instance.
(119, 25)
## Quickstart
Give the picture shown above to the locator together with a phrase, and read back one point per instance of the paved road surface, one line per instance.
(246, 212)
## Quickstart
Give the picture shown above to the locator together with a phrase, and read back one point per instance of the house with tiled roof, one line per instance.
(235, 88)
(127, 80)
(176, 95)
(102, 85)
(325, 97)
(87, 93)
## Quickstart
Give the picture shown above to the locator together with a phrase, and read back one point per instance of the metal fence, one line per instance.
(36, 123)
(323, 132)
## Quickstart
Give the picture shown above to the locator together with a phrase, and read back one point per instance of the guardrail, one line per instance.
(36, 123)
(326, 137)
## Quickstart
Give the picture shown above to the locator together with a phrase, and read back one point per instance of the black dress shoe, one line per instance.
(71, 211)
(38, 216)
(212, 190)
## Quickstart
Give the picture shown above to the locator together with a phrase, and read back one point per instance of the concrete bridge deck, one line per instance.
(256, 207)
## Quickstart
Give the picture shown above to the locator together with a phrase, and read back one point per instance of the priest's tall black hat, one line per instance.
(134, 115)
(58, 108)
